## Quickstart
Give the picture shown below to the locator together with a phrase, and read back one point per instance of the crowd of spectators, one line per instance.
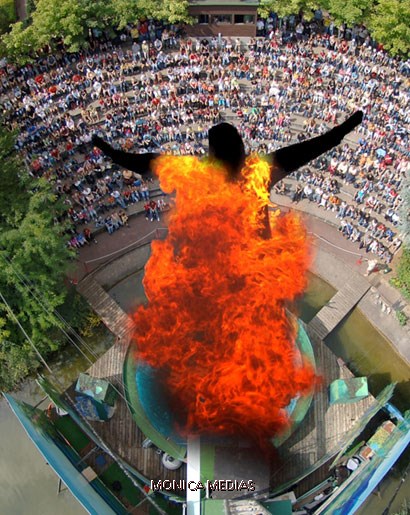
(161, 93)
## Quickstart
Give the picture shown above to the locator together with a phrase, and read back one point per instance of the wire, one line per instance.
(11, 312)
(401, 483)
(101, 443)
(126, 247)
(31, 289)
(336, 246)
(41, 301)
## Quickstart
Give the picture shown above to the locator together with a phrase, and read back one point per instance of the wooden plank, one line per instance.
(121, 433)
(323, 427)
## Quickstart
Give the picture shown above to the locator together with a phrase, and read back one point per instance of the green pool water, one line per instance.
(366, 351)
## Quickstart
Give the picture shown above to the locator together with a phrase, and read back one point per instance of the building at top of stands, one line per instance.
(228, 18)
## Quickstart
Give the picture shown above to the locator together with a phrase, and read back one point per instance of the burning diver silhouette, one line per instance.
(226, 147)
(214, 326)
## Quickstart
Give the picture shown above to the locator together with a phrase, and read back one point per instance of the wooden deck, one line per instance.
(121, 433)
(323, 428)
(318, 436)
(115, 318)
(339, 306)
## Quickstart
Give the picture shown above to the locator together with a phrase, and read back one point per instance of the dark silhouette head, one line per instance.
(226, 145)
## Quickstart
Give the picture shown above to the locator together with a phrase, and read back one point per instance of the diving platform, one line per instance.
(339, 307)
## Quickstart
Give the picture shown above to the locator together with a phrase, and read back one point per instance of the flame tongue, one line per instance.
(216, 322)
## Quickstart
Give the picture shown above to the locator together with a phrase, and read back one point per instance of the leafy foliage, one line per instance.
(12, 213)
(390, 24)
(7, 15)
(401, 317)
(19, 43)
(70, 21)
(288, 7)
(388, 20)
(402, 281)
(33, 262)
(350, 11)
(169, 10)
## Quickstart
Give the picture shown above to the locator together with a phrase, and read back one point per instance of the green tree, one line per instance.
(18, 44)
(33, 262)
(126, 11)
(390, 25)
(70, 21)
(288, 7)
(11, 213)
(63, 20)
(350, 12)
(171, 11)
(7, 15)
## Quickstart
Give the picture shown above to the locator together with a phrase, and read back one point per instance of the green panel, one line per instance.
(348, 390)
(207, 461)
(213, 507)
(283, 507)
(301, 404)
(129, 491)
(71, 432)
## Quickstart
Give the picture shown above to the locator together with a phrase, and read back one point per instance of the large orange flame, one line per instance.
(216, 321)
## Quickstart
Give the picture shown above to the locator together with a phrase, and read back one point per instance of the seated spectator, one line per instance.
(109, 225)
(123, 217)
(279, 188)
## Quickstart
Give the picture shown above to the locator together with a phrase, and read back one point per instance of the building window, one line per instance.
(203, 18)
(220, 19)
(244, 18)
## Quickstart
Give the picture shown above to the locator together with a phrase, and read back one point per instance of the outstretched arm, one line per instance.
(140, 163)
(289, 159)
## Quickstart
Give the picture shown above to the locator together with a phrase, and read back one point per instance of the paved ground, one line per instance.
(320, 224)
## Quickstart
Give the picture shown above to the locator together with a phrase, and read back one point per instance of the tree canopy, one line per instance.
(390, 24)
(33, 262)
(350, 12)
(7, 15)
(288, 7)
(70, 21)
